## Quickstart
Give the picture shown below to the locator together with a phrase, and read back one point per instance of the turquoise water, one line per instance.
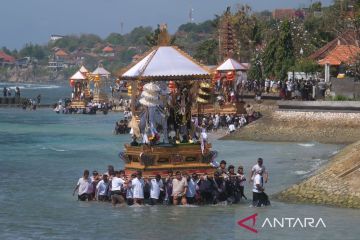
(42, 155)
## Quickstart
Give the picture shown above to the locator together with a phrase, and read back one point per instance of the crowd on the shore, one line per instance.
(298, 89)
(225, 186)
(64, 106)
(7, 92)
(230, 122)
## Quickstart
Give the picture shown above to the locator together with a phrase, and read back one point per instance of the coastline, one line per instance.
(312, 126)
(301, 126)
(335, 184)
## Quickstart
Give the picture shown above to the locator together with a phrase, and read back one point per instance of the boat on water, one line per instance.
(167, 85)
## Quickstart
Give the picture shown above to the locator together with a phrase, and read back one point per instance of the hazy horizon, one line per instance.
(34, 21)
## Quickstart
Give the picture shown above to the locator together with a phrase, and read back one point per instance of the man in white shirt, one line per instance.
(137, 185)
(259, 196)
(84, 187)
(257, 167)
(102, 189)
(117, 184)
(156, 186)
(232, 128)
(179, 189)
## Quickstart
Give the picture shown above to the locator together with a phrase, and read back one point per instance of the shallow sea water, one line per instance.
(42, 154)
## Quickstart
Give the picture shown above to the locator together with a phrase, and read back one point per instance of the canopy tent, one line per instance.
(166, 63)
(83, 69)
(232, 65)
(101, 71)
(78, 76)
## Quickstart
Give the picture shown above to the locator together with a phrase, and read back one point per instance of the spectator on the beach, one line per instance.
(83, 187)
(5, 92)
(232, 127)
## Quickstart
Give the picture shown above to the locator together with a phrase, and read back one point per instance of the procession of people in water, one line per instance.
(225, 186)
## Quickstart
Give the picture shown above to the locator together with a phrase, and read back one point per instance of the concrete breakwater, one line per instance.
(303, 126)
(336, 184)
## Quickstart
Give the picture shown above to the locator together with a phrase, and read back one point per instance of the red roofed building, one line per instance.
(341, 54)
(108, 51)
(347, 38)
(284, 13)
(61, 53)
(6, 59)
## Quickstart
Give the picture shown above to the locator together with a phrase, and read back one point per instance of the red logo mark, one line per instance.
(242, 221)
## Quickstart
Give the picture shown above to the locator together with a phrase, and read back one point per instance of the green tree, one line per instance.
(284, 56)
(255, 71)
(6, 50)
(207, 52)
(269, 58)
(115, 39)
(138, 36)
(36, 51)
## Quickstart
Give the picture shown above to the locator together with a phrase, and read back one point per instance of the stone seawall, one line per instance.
(303, 126)
(335, 184)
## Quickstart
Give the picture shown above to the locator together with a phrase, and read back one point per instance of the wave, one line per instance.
(58, 150)
(302, 172)
(306, 144)
(29, 86)
(53, 149)
(335, 152)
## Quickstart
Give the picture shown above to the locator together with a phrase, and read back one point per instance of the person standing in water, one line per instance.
(137, 185)
(256, 168)
(84, 187)
(38, 98)
(260, 198)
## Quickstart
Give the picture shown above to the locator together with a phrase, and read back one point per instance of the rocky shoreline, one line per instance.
(296, 126)
(31, 75)
(335, 184)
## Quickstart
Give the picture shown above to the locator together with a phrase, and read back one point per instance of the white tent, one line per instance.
(232, 65)
(78, 76)
(166, 61)
(83, 69)
(101, 71)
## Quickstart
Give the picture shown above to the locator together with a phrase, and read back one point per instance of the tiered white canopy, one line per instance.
(231, 65)
(83, 69)
(166, 62)
(78, 76)
(101, 71)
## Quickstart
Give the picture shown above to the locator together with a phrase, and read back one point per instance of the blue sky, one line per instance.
(23, 21)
